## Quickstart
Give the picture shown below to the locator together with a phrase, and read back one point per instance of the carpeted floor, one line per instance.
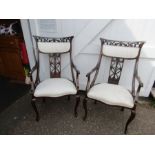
(10, 92)
(57, 118)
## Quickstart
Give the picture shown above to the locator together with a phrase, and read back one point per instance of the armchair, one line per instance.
(55, 86)
(111, 93)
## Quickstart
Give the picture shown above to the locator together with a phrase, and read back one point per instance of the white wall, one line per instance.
(124, 30)
(28, 41)
(86, 47)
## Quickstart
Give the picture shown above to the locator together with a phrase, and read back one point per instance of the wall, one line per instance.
(86, 47)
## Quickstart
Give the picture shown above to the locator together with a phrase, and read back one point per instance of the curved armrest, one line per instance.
(139, 87)
(78, 72)
(33, 69)
(139, 80)
(89, 85)
(75, 80)
(31, 78)
(94, 69)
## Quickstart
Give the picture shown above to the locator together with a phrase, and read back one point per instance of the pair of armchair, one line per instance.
(110, 93)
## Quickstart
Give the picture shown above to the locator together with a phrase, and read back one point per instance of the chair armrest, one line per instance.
(139, 88)
(94, 69)
(33, 69)
(139, 80)
(77, 71)
(33, 84)
(75, 79)
(89, 85)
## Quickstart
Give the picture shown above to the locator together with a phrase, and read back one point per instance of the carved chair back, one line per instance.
(119, 51)
(54, 47)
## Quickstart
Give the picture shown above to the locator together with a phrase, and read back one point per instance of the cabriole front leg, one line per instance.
(76, 105)
(132, 116)
(44, 99)
(35, 109)
(85, 108)
(95, 102)
(122, 108)
(68, 97)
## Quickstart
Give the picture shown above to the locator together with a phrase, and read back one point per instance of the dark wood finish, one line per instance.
(55, 67)
(115, 70)
(76, 105)
(10, 58)
(85, 108)
(44, 99)
(9, 42)
(122, 108)
(115, 74)
(68, 97)
(95, 102)
(33, 100)
(132, 116)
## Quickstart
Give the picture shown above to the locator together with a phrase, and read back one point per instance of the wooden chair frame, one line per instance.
(56, 70)
(91, 83)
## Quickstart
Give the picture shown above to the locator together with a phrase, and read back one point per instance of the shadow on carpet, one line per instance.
(57, 119)
(10, 92)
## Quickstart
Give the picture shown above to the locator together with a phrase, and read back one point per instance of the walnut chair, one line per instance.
(55, 86)
(111, 93)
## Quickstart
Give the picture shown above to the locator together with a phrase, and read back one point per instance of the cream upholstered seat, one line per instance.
(111, 94)
(55, 87)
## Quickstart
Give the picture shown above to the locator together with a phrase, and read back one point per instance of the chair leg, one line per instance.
(122, 108)
(95, 102)
(76, 105)
(85, 108)
(35, 109)
(68, 97)
(44, 100)
(130, 119)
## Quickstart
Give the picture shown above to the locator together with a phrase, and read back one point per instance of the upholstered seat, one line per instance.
(55, 87)
(111, 94)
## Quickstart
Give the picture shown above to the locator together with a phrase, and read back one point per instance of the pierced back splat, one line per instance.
(55, 65)
(115, 70)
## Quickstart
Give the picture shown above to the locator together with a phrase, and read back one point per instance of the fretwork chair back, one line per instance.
(112, 93)
(55, 86)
